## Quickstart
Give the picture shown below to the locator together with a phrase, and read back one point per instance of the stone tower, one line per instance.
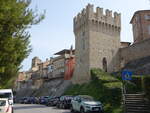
(97, 40)
(35, 62)
(141, 25)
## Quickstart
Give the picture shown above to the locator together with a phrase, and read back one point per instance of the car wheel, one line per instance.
(57, 105)
(82, 110)
(72, 110)
(63, 106)
(12, 110)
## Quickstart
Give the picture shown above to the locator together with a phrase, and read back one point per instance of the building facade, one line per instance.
(60, 66)
(141, 25)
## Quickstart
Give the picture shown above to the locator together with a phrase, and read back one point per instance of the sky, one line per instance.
(55, 32)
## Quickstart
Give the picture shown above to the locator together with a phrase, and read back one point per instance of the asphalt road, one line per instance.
(29, 108)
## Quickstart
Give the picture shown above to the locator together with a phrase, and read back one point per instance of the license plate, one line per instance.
(96, 109)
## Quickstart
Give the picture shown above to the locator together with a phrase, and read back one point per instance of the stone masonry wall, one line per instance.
(135, 51)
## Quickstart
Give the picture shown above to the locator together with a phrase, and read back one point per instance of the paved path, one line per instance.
(29, 108)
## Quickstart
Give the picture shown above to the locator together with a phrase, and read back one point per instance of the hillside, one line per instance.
(103, 87)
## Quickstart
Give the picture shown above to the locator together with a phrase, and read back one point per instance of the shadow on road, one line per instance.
(28, 107)
(58, 109)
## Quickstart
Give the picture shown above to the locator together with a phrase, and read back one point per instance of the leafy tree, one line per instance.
(15, 18)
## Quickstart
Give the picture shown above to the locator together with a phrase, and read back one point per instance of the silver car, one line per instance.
(85, 104)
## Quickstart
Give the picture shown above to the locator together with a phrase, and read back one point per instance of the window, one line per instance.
(2, 102)
(147, 17)
(104, 62)
(5, 95)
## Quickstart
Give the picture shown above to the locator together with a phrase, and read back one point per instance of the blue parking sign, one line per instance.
(126, 75)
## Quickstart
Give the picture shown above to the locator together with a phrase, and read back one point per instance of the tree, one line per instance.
(15, 18)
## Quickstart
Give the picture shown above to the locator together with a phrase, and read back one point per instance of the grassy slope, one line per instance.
(103, 87)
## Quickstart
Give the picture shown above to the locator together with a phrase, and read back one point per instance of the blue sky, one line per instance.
(55, 32)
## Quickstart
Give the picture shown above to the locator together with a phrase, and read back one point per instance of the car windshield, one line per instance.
(5, 95)
(2, 102)
(86, 98)
(68, 98)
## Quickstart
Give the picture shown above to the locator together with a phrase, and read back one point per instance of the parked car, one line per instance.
(25, 101)
(58, 105)
(65, 102)
(44, 100)
(5, 106)
(37, 100)
(53, 101)
(21, 100)
(7, 93)
(29, 100)
(85, 104)
(32, 100)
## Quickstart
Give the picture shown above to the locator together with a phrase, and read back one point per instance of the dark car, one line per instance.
(32, 100)
(65, 102)
(37, 100)
(44, 100)
(25, 101)
(21, 100)
(29, 100)
(53, 101)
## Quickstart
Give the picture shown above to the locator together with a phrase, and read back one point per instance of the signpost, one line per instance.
(126, 75)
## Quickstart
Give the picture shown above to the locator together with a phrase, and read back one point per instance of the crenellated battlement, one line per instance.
(88, 14)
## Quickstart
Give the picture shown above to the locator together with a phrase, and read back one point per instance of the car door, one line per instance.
(78, 103)
(74, 103)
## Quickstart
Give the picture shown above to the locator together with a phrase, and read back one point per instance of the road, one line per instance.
(29, 108)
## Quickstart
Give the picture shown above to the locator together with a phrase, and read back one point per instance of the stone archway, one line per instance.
(104, 64)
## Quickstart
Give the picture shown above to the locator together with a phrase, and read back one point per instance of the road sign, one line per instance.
(126, 75)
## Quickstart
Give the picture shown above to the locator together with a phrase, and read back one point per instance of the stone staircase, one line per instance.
(136, 103)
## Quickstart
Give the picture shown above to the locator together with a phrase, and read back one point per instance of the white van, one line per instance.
(7, 93)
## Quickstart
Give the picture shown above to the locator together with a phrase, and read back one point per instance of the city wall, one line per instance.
(135, 51)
